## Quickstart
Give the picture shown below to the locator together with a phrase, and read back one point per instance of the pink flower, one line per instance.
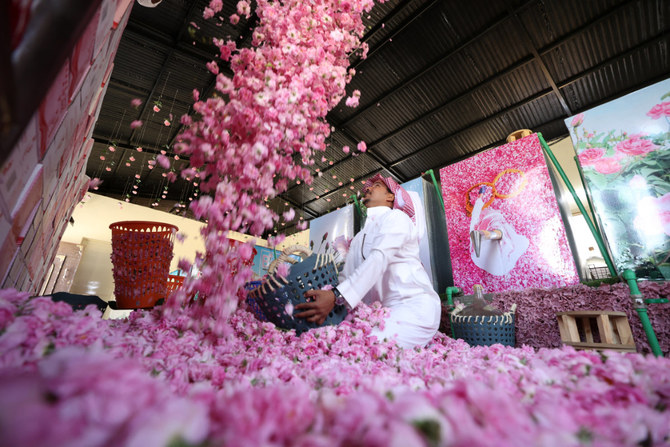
(136, 102)
(362, 146)
(213, 67)
(591, 155)
(94, 183)
(289, 215)
(163, 161)
(608, 165)
(577, 120)
(243, 8)
(352, 101)
(135, 124)
(345, 149)
(659, 110)
(234, 19)
(166, 123)
(635, 146)
(156, 108)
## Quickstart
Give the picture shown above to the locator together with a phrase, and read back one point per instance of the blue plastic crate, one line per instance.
(275, 293)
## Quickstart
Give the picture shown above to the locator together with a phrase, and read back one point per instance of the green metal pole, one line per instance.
(594, 231)
(641, 309)
(357, 205)
(437, 188)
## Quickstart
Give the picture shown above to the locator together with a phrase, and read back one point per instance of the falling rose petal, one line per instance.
(135, 124)
(282, 270)
(163, 161)
(136, 102)
(346, 149)
(289, 215)
(289, 309)
(95, 183)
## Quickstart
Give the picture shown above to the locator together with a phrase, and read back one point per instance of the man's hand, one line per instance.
(317, 311)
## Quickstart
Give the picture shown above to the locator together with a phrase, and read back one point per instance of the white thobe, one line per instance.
(383, 264)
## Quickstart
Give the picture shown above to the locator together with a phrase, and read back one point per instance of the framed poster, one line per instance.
(623, 149)
(506, 192)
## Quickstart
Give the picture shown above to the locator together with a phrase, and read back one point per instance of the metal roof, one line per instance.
(443, 80)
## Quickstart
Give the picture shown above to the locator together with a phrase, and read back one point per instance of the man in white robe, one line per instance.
(383, 264)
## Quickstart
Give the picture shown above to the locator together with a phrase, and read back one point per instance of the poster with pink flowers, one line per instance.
(623, 150)
(503, 222)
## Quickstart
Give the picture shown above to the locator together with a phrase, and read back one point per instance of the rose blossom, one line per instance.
(635, 146)
(577, 120)
(659, 110)
(589, 156)
(608, 165)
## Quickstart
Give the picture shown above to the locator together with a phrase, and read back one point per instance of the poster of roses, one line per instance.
(623, 150)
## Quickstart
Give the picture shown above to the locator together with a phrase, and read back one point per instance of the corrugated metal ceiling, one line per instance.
(443, 80)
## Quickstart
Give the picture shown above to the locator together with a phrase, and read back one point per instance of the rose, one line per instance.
(591, 155)
(659, 110)
(577, 120)
(608, 165)
(635, 146)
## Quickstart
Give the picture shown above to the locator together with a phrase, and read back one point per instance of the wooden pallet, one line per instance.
(613, 330)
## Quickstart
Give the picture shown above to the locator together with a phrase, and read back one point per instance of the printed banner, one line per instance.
(504, 198)
(623, 149)
(332, 233)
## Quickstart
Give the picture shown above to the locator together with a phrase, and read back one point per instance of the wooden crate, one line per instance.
(613, 330)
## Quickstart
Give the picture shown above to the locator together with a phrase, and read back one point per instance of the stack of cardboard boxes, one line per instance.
(44, 177)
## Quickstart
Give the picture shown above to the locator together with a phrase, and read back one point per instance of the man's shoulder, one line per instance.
(398, 217)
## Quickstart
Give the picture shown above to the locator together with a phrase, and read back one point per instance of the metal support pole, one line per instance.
(641, 309)
(437, 188)
(589, 222)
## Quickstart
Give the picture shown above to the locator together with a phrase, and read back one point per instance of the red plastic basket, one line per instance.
(174, 282)
(141, 255)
